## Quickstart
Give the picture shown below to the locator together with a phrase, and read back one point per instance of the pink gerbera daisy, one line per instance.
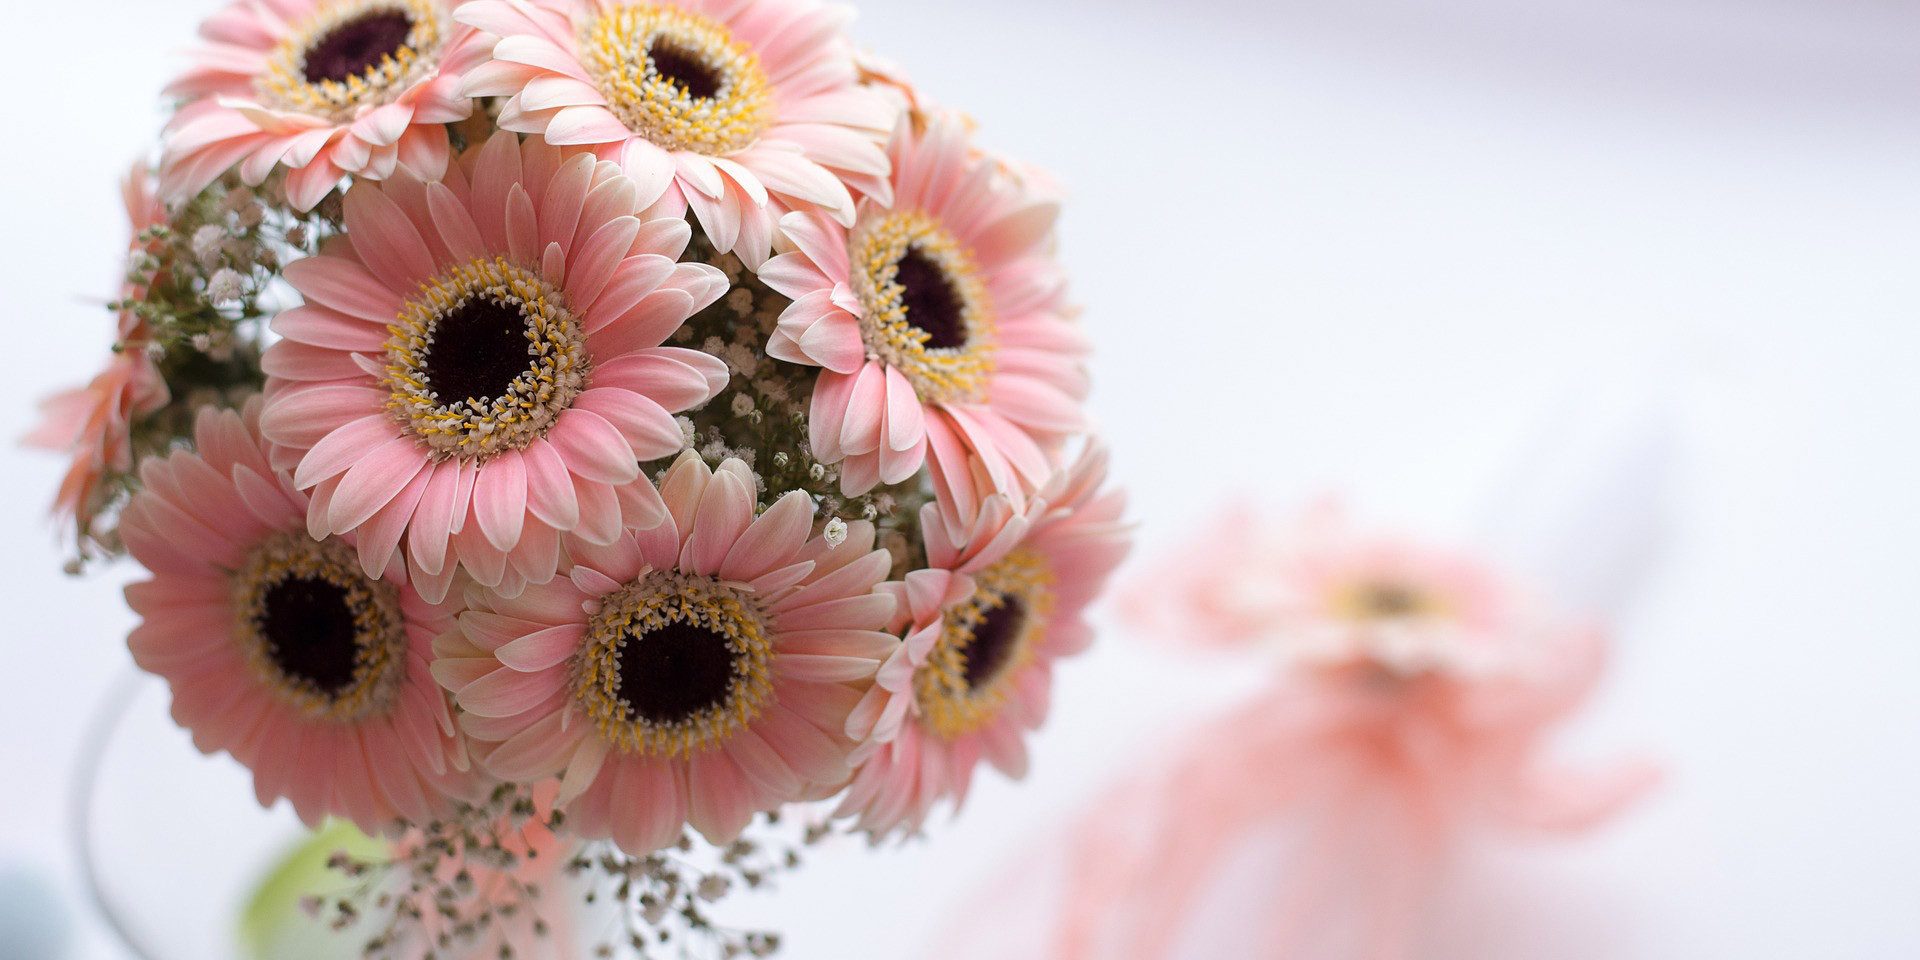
(94, 423)
(1323, 594)
(478, 367)
(325, 88)
(984, 626)
(698, 672)
(940, 326)
(738, 109)
(279, 649)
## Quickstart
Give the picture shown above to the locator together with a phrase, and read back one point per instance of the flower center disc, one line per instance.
(674, 663)
(327, 639)
(673, 672)
(310, 632)
(926, 310)
(693, 75)
(678, 78)
(1386, 600)
(929, 301)
(995, 640)
(352, 54)
(984, 642)
(484, 360)
(479, 348)
(357, 46)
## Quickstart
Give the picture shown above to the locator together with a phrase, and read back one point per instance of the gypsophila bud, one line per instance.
(224, 287)
(208, 243)
(653, 910)
(835, 533)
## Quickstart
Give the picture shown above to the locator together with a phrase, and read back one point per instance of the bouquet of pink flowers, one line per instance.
(626, 420)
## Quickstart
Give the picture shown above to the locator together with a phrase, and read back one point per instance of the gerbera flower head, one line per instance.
(984, 626)
(279, 649)
(1323, 594)
(478, 368)
(940, 326)
(324, 88)
(1398, 605)
(739, 110)
(1401, 630)
(698, 672)
(94, 423)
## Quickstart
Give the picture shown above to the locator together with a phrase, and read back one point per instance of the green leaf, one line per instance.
(273, 925)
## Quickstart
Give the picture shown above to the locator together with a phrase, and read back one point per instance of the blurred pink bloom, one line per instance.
(1412, 714)
(1318, 592)
(93, 423)
(278, 648)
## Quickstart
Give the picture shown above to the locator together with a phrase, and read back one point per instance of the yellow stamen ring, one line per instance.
(678, 78)
(286, 84)
(657, 607)
(956, 689)
(939, 373)
(1387, 600)
(326, 639)
(477, 428)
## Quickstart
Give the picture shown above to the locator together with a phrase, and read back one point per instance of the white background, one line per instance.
(1370, 246)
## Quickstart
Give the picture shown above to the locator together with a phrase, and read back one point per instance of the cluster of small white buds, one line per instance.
(225, 287)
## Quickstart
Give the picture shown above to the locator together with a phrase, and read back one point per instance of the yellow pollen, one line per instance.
(477, 428)
(1386, 600)
(378, 628)
(954, 705)
(284, 84)
(939, 374)
(678, 78)
(659, 600)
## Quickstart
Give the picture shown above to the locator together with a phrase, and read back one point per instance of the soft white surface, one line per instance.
(1377, 247)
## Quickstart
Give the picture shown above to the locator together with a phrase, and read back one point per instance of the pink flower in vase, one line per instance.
(323, 88)
(940, 325)
(279, 649)
(984, 625)
(698, 672)
(94, 423)
(478, 368)
(737, 111)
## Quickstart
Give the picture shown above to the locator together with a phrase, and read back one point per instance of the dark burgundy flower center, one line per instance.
(672, 673)
(311, 633)
(692, 73)
(478, 349)
(357, 46)
(930, 301)
(994, 639)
